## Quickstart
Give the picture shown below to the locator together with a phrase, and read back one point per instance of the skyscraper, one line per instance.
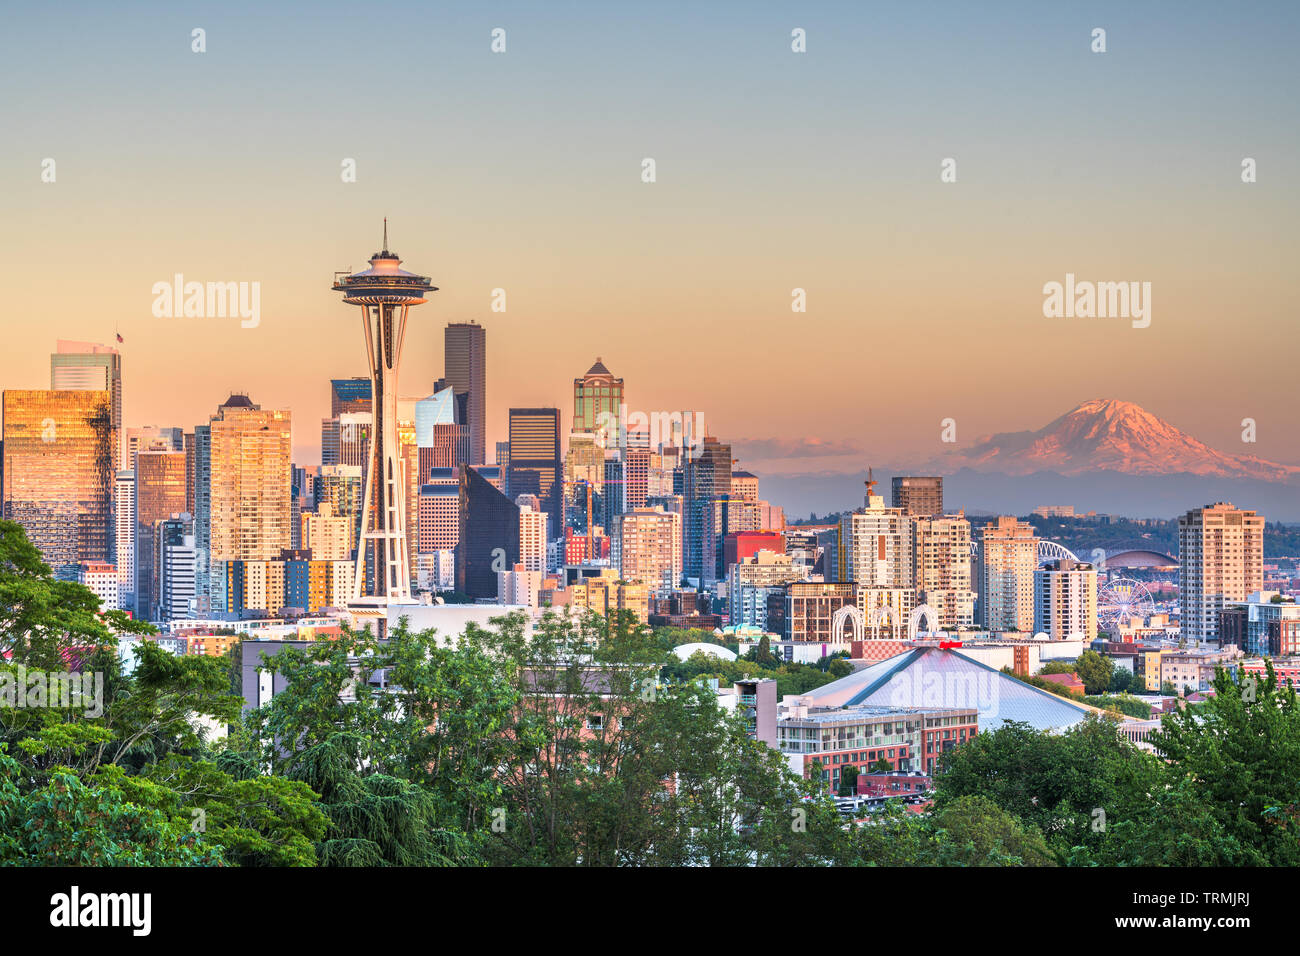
(465, 370)
(85, 366)
(488, 542)
(159, 494)
(941, 564)
(535, 459)
(443, 440)
(349, 395)
(647, 547)
(532, 534)
(597, 401)
(242, 490)
(58, 474)
(385, 293)
(875, 545)
(152, 438)
(1220, 559)
(706, 476)
(176, 563)
(124, 525)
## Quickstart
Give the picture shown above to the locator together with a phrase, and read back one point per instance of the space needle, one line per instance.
(385, 294)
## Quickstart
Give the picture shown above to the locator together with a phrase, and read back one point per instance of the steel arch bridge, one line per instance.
(1051, 551)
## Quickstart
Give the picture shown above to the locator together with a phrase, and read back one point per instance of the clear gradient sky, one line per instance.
(775, 170)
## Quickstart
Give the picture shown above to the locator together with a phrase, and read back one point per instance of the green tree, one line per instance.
(1230, 767)
(974, 831)
(1123, 681)
(1054, 782)
(401, 739)
(1094, 670)
(65, 823)
(44, 620)
(848, 781)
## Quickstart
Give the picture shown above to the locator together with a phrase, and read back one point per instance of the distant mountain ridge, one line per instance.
(1106, 455)
(1109, 435)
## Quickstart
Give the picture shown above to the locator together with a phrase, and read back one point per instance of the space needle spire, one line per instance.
(385, 294)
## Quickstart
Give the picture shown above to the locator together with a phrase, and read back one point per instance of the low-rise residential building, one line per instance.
(1195, 669)
(1266, 623)
(833, 738)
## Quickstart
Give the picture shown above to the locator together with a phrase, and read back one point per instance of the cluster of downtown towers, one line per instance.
(216, 521)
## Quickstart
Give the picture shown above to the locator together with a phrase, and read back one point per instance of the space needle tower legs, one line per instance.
(385, 294)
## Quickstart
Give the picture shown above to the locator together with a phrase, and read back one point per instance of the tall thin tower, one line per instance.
(385, 293)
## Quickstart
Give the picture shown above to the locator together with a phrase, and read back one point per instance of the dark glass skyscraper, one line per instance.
(489, 535)
(706, 476)
(465, 370)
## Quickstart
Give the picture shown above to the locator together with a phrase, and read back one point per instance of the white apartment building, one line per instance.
(1065, 600)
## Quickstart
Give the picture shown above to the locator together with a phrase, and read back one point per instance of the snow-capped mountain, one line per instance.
(1110, 435)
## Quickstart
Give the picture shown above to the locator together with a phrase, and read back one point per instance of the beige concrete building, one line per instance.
(1007, 561)
(328, 536)
(1220, 559)
(646, 547)
(875, 546)
(941, 563)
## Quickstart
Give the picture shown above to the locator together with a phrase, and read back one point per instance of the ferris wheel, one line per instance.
(1122, 598)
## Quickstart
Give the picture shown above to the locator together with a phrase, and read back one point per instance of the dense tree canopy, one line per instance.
(571, 742)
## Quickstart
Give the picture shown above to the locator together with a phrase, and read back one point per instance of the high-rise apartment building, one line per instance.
(101, 578)
(329, 537)
(1007, 561)
(1220, 560)
(465, 371)
(646, 546)
(58, 474)
(917, 496)
(875, 545)
(1065, 600)
(532, 534)
(124, 527)
(941, 565)
(636, 477)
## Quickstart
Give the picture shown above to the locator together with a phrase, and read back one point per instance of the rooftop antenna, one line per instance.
(385, 234)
